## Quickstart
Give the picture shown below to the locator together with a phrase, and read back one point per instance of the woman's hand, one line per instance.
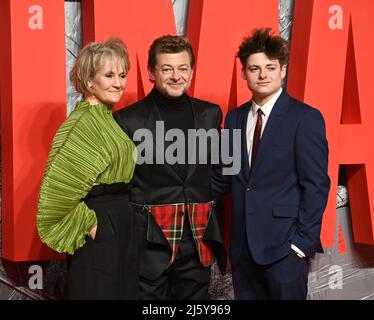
(93, 232)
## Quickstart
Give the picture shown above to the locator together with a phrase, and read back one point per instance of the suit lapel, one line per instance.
(196, 124)
(279, 110)
(152, 115)
(243, 118)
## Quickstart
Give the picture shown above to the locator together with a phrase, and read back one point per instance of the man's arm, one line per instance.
(221, 184)
(119, 119)
(312, 164)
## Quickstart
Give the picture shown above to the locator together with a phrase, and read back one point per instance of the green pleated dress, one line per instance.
(90, 153)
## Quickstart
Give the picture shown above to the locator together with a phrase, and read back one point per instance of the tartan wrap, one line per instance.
(170, 218)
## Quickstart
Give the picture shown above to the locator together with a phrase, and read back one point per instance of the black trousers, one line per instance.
(184, 279)
(286, 279)
(107, 267)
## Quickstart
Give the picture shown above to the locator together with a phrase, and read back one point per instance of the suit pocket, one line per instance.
(105, 226)
(286, 211)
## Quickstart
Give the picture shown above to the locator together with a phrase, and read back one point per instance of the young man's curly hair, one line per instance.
(264, 41)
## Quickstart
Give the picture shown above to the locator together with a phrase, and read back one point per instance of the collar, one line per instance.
(168, 103)
(97, 107)
(268, 106)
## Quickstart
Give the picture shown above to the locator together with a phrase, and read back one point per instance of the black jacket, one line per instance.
(161, 184)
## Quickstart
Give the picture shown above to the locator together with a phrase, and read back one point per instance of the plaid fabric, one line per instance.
(171, 217)
(199, 214)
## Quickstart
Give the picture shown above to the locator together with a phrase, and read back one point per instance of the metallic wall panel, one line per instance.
(181, 14)
(73, 41)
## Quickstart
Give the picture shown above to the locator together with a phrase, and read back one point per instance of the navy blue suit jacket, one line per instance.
(280, 201)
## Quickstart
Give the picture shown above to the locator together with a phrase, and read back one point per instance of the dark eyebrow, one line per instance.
(169, 65)
(257, 66)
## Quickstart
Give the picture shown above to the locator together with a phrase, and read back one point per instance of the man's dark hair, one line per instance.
(263, 40)
(169, 44)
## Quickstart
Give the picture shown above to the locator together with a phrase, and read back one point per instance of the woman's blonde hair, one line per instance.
(91, 59)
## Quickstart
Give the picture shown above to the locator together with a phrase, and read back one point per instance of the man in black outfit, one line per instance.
(177, 224)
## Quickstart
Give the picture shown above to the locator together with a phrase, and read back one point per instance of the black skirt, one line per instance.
(107, 267)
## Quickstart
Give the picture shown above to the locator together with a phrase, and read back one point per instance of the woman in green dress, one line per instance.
(83, 205)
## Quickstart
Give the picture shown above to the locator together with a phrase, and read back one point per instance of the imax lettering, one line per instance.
(345, 97)
(33, 106)
(31, 114)
(216, 32)
(138, 23)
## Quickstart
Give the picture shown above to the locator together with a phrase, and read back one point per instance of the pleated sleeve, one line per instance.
(76, 159)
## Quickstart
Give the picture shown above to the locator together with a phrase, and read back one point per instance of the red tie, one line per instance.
(256, 137)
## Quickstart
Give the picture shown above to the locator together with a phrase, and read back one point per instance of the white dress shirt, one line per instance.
(252, 119)
(251, 124)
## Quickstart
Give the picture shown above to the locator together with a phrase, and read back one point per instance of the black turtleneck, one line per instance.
(176, 113)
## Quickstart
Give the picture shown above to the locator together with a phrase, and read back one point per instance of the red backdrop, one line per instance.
(329, 69)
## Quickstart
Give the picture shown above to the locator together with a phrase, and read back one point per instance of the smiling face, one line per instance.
(264, 76)
(172, 74)
(108, 84)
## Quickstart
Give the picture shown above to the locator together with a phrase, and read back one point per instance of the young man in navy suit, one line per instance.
(281, 191)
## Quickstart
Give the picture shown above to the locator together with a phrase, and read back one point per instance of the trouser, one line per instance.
(286, 279)
(184, 279)
(107, 267)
